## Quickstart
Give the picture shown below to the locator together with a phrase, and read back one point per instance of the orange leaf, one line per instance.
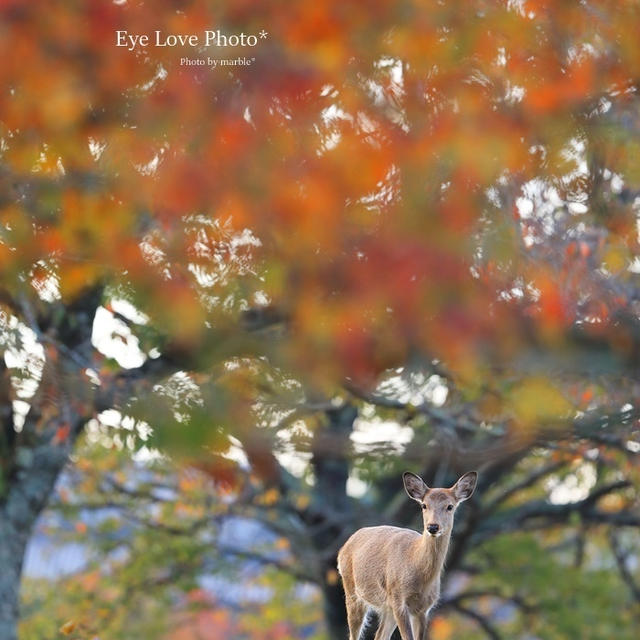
(68, 627)
(332, 576)
(62, 434)
(441, 628)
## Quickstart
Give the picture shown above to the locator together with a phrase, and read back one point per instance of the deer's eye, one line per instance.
(424, 506)
(449, 507)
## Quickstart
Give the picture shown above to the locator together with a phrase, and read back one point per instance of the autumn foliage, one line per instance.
(357, 151)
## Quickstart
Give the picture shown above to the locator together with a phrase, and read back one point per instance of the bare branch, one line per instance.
(621, 561)
(483, 623)
(525, 483)
(269, 561)
(484, 593)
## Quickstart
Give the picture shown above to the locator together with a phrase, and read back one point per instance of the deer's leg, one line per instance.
(419, 627)
(386, 627)
(356, 609)
(403, 620)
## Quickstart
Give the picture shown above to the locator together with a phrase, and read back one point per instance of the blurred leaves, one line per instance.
(535, 402)
(374, 132)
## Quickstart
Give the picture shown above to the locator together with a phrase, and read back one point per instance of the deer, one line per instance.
(396, 572)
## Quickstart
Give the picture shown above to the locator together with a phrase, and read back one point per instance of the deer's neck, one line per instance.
(432, 553)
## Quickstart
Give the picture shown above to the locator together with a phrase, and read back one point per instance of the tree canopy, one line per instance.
(361, 179)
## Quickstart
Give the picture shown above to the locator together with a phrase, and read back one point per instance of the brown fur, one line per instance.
(397, 571)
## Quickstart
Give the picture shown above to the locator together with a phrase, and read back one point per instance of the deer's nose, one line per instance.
(433, 528)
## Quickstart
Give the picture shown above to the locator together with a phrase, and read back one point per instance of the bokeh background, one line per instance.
(236, 303)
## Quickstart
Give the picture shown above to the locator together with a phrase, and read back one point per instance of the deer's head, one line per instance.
(439, 505)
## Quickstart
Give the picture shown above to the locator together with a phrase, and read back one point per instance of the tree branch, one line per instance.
(281, 566)
(621, 561)
(525, 483)
(483, 593)
(482, 622)
(544, 514)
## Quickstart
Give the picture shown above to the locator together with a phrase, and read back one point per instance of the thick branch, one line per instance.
(7, 430)
(544, 514)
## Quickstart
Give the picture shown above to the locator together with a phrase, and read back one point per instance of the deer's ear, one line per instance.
(414, 485)
(465, 486)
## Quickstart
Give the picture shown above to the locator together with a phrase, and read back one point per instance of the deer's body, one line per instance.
(397, 571)
(388, 568)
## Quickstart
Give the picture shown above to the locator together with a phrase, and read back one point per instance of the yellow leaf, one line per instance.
(302, 501)
(612, 503)
(282, 544)
(441, 629)
(332, 576)
(68, 627)
(269, 497)
(537, 401)
(616, 259)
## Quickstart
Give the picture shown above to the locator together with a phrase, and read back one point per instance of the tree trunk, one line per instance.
(330, 463)
(13, 544)
(335, 613)
(27, 492)
(32, 459)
